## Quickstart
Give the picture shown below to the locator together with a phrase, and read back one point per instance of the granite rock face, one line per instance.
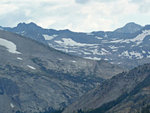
(35, 77)
(124, 93)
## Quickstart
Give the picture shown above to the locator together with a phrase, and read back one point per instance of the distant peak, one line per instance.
(30, 25)
(129, 28)
(27, 24)
(20, 24)
(132, 24)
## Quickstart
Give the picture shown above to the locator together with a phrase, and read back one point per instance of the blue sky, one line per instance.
(76, 15)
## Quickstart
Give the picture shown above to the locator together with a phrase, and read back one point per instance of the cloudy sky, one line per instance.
(76, 15)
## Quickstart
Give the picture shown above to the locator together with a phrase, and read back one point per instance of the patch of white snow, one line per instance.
(31, 67)
(11, 105)
(47, 37)
(70, 42)
(11, 47)
(19, 58)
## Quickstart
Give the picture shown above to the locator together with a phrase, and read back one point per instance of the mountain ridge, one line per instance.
(126, 92)
(129, 28)
(115, 47)
(35, 77)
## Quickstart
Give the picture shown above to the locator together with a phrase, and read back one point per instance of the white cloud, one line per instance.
(77, 15)
(6, 8)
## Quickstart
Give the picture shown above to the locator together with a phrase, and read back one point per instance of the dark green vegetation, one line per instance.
(146, 109)
(105, 107)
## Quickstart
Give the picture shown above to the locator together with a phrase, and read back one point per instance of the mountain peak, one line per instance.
(129, 28)
(31, 24)
(28, 26)
(131, 24)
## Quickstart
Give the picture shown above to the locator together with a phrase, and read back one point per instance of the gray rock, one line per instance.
(35, 77)
(124, 93)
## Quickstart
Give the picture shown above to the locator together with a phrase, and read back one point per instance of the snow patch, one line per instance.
(137, 55)
(99, 37)
(143, 51)
(113, 47)
(47, 37)
(92, 58)
(104, 52)
(86, 53)
(19, 58)
(11, 47)
(141, 37)
(73, 61)
(11, 105)
(138, 39)
(116, 41)
(95, 52)
(106, 59)
(23, 32)
(125, 53)
(132, 54)
(70, 42)
(31, 67)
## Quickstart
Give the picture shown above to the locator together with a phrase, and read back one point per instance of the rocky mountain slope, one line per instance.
(129, 28)
(127, 92)
(35, 77)
(127, 46)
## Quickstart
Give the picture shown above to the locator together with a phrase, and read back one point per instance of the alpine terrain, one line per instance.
(127, 46)
(127, 92)
(35, 78)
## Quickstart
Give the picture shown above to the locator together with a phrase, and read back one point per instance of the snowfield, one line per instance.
(47, 37)
(11, 47)
(70, 42)
(19, 58)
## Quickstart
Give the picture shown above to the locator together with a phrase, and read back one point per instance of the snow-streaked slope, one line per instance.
(116, 47)
(47, 37)
(11, 47)
(70, 42)
(138, 39)
(141, 37)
